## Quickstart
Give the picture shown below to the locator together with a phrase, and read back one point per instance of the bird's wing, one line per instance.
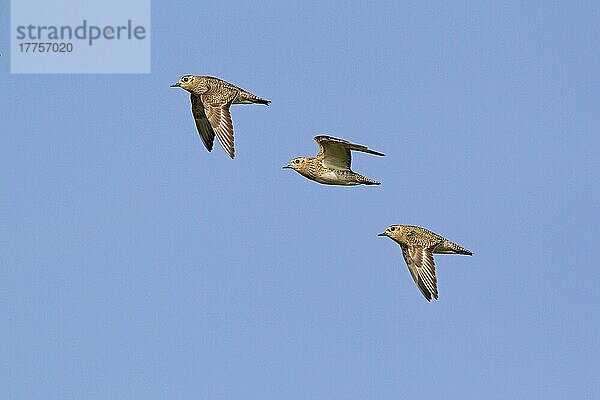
(220, 118)
(205, 130)
(335, 153)
(420, 263)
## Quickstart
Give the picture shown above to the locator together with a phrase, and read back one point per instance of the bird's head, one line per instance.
(392, 231)
(187, 82)
(299, 164)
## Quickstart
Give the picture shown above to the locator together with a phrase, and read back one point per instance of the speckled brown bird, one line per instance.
(211, 99)
(332, 165)
(418, 247)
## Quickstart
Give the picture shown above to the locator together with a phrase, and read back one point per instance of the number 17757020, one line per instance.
(39, 47)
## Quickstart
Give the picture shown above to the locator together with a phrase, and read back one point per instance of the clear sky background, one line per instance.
(136, 265)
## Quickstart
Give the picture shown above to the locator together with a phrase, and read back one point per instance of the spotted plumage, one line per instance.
(418, 247)
(211, 99)
(331, 166)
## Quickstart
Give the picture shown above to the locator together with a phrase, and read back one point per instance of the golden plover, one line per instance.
(332, 165)
(418, 247)
(211, 99)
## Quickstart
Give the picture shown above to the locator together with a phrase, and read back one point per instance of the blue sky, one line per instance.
(137, 265)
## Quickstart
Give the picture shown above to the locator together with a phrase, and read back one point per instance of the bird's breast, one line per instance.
(330, 177)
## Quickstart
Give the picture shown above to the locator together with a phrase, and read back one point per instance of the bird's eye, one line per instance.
(186, 79)
(392, 229)
(297, 161)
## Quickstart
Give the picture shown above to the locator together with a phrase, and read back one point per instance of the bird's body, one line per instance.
(217, 91)
(316, 171)
(211, 98)
(332, 165)
(418, 247)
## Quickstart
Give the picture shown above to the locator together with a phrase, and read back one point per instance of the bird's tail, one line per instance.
(260, 100)
(453, 248)
(366, 181)
(252, 98)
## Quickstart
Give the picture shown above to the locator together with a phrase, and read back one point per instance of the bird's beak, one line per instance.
(286, 166)
(382, 234)
(175, 85)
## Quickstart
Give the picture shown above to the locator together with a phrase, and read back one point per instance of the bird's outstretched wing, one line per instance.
(421, 266)
(205, 130)
(335, 153)
(219, 117)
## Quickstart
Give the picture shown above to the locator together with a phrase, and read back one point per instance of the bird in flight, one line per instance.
(418, 247)
(211, 99)
(332, 165)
